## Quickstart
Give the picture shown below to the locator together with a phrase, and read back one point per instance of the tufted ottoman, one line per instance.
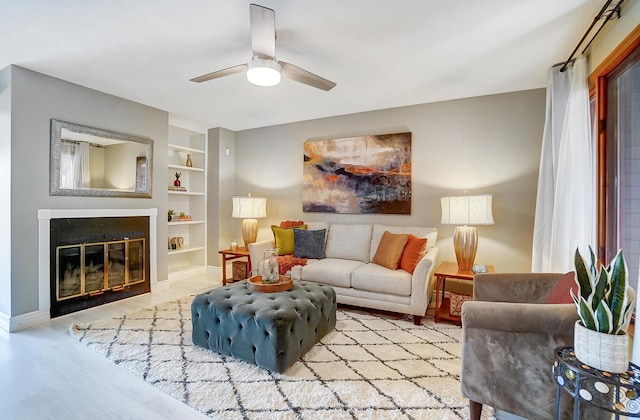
(271, 330)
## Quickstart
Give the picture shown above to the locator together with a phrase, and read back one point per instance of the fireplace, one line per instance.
(97, 260)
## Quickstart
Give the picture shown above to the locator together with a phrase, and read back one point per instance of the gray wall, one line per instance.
(36, 99)
(488, 144)
(5, 190)
(220, 189)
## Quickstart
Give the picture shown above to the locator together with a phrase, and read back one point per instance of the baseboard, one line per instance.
(24, 321)
(187, 273)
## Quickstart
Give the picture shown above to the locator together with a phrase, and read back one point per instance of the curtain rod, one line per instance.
(607, 14)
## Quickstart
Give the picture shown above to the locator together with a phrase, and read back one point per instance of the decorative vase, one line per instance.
(270, 266)
(607, 352)
(176, 183)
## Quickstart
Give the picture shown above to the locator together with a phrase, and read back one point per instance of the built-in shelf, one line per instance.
(185, 250)
(185, 193)
(187, 222)
(184, 148)
(186, 168)
(187, 146)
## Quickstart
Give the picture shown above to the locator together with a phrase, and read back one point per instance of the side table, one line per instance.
(229, 255)
(616, 393)
(450, 270)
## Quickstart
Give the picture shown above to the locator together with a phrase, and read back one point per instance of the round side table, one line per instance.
(617, 393)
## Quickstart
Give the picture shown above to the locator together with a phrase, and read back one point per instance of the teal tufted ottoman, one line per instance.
(271, 330)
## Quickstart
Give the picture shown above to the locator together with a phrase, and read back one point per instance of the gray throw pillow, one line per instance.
(309, 243)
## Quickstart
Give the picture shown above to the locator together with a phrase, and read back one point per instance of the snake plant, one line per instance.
(602, 302)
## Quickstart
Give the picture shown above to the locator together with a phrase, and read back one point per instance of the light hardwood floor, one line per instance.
(45, 374)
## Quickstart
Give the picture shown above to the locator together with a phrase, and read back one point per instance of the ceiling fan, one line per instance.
(264, 69)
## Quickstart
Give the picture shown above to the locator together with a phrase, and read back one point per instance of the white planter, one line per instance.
(602, 351)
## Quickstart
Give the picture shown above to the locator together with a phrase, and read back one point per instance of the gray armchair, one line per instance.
(508, 337)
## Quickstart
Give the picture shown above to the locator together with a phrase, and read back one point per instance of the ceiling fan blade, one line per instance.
(300, 75)
(220, 73)
(263, 31)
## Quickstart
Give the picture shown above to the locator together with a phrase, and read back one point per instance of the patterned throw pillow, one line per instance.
(390, 249)
(309, 243)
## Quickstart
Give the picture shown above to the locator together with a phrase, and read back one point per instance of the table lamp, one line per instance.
(466, 210)
(249, 209)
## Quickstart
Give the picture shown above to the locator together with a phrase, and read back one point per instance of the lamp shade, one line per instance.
(467, 210)
(249, 207)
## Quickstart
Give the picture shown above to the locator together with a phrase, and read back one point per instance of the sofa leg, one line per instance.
(475, 410)
(417, 320)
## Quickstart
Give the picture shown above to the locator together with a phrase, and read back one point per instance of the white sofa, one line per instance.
(357, 281)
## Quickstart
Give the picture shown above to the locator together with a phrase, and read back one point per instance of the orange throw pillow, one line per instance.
(390, 249)
(413, 253)
(291, 223)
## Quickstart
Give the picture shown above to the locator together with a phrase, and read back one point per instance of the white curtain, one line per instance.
(74, 165)
(565, 207)
(83, 153)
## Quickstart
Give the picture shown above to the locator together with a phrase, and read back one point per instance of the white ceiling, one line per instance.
(381, 53)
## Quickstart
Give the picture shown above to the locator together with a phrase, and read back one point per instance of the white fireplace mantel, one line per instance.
(44, 239)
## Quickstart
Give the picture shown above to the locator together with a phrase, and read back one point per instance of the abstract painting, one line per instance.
(358, 175)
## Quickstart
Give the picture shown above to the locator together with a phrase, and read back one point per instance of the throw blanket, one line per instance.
(286, 262)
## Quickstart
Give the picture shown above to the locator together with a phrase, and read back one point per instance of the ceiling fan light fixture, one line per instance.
(263, 72)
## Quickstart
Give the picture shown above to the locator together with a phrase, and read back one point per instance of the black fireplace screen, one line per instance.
(97, 260)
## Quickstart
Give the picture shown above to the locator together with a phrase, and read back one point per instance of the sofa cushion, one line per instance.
(333, 272)
(350, 242)
(413, 252)
(375, 278)
(284, 238)
(309, 243)
(318, 225)
(390, 250)
(430, 233)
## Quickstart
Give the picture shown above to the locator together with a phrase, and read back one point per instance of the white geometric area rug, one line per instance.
(371, 366)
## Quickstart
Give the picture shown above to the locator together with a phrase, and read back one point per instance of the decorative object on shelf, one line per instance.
(189, 163)
(358, 175)
(176, 183)
(466, 210)
(605, 307)
(181, 189)
(249, 209)
(177, 242)
(270, 270)
(171, 213)
(234, 245)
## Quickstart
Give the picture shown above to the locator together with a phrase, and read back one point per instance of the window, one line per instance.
(618, 97)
